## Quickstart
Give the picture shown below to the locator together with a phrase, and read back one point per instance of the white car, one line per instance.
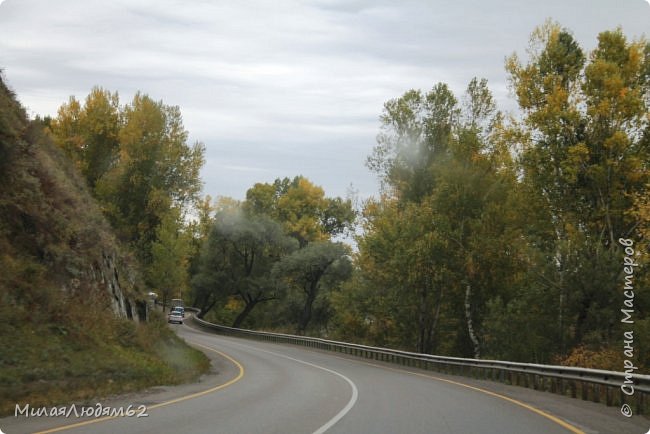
(179, 310)
(175, 316)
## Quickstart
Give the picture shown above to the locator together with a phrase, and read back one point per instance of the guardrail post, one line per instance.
(573, 386)
(596, 395)
(553, 385)
(640, 401)
(608, 396)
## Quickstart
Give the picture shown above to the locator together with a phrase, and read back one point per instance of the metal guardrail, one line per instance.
(586, 384)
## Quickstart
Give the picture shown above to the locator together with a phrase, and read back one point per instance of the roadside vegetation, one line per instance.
(498, 236)
(70, 290)
(495, 235)
(58, 361)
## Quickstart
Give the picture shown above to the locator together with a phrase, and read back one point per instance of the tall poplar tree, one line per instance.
(586, 158)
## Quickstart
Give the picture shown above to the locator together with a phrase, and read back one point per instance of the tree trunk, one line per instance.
(422, 322)
(583, 313)
(562, 307)
(470, 327)
(205, 308)
(307, 309)
(250, 304)
(436, 318)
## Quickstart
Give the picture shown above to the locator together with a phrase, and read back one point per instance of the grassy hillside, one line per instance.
(68, 291)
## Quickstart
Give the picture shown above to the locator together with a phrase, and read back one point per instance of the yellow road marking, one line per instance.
(162, 404)
(557, 420)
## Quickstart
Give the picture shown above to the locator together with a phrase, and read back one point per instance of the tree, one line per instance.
(302, 208)
(416, 131)
(156, 171)
(168, 269)
(486, 224)
(448, 180)
(66, 129)
(89, 134)
(400, 256)
(311, 270)
(199, 228)
(135, 158)
(584, 162)
(237, 260)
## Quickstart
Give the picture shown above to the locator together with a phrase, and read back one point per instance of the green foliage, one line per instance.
(169, 258)
(135, 159)
(302, 208)
(237, 259)
(156, 171)
(137, 163)
(310, 271)
(498, 236)
(432, 239)
(61, 340)
(416, 130)
(89, 135)
(584, 165)
(274, 248)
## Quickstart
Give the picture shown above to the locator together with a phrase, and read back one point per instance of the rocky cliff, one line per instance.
(50, 227)
(70, 293)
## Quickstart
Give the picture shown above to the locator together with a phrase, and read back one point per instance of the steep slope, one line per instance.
(73, 317)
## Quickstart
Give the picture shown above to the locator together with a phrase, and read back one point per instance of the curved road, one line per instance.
(273, 388)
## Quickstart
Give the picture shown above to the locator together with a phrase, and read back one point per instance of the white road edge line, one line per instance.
(344, 410)
(353, 399)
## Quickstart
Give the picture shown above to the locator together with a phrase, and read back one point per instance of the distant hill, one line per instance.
(74, 318)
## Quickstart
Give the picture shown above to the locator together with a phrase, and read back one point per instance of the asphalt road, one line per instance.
(265, 388)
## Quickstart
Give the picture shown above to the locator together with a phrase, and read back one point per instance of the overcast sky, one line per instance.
(280, 88)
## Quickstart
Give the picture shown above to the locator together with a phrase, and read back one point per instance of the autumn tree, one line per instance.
(302, 208)
(156, 171)
(168, 269)
(415, 132)
(135, 158)
(448, 180)
(400, 271)
(312, 270)
(583, 162)
(237, 261)
(137, 163)
(199, 226)
(90, 134)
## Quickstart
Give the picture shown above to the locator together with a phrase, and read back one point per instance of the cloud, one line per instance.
(280, 88)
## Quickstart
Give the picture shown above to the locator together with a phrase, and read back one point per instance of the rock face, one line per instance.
(106, 274)
(52, 232)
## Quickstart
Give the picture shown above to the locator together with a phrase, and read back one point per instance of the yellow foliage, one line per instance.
(603, 358)
(234, 304)
(641, 212)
